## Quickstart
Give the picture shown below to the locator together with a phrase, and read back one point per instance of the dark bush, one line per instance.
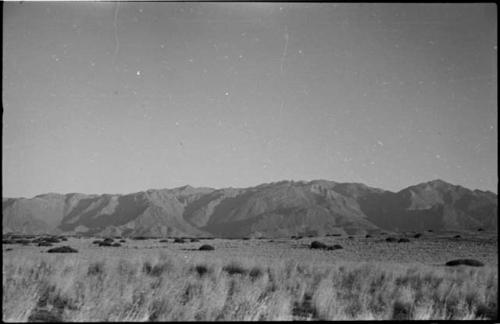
(298, 237)
(7, 242)
(417, 235)
(62, 249)
(337, 247)
(245, 238)
(318, 245)
(350, 237)
(255, 273)
(469, 262)
(430, 230)
(116, 245)
(105, 244)
(200, 269)
(155, 270)
(123, 241)
(44, 244)
(403, 240)
(139, 238)
(391, 239)
(9, 249)
(194, 240)
(108, 239)
(96, 242)
(179, 240)
(487, 312)
(480, 229)
(206, 247)
(457, 236)
(234, 268)
(62, 238)
(23, 241)
(402, 311)
(42, 315)
(368, 236)
(164, 241)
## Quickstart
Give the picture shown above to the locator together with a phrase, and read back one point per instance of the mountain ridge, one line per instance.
(272, 209)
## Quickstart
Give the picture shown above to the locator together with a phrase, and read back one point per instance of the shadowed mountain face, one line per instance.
(277, 209)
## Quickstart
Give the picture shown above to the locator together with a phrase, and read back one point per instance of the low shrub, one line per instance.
(105, 244)
(234, 268)
(164, 241)
(62, 249)
(368, 236)
(403, 240)
(318, 245)
(469, 262)
(206, 247)
(179, 240)
(194, 240)
(44, 244)
(457, 237)
(417, 235)
(255, 273)
(200, 269)
(391, 239)
(116, 245)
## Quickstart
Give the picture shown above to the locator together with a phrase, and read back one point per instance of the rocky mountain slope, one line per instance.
(276, 209)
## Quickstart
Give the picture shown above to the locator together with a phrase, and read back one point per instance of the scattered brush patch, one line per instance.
(95, 269)
(200, 269)
(391, 239)
(335, 247)
(43, 315)
(305, 309)
(62, 249)
(403, 240)
(7, 242)
(51, 239)
(179, 240)
(468, 262)
(206, 247)
(235, 269)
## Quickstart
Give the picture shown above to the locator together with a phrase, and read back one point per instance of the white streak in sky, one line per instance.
(285, 49)
(115, 24)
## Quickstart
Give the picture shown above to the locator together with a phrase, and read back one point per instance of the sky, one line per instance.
(128, 96)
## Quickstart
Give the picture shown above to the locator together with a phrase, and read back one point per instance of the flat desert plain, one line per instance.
(363, 278)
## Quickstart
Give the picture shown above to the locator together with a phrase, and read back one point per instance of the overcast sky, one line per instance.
(125, 97)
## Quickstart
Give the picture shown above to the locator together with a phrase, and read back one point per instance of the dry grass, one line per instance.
(168, 287)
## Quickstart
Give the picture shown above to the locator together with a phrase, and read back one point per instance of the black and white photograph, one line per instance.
(249, 161)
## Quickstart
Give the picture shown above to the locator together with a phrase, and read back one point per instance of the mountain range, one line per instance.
(278, 209)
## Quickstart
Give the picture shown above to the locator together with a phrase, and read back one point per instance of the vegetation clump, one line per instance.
(179, 240)
(318, 245)
(403, 240)
(235, 268)
(44, 244)
(195, 240)
(468, 262)
(62, 249)
(417, 235)
(391, 239)
(206, 247)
